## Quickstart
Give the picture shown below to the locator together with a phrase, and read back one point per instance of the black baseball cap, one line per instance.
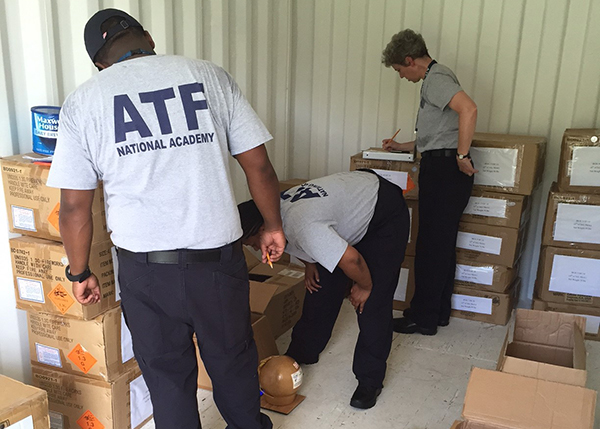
(93, 35)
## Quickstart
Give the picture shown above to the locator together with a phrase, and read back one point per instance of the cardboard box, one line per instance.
(497, 399)
(495, 245)
(40, 283)
(482, 276)
(406, 284)
(494, 208)
(591, 314)
(265, 347)
(579, 168)
(78, 402)
(484, 306)
(569, 276)
(100, 348)
(572, 220)
(508, 163)
(22, 406)
(413, 211)
(33, 207)
(547, 346)
(278, 293)
(404, 174)
(284, 185)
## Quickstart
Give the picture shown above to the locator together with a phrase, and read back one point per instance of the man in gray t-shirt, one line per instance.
(159, 130)
(350, 229)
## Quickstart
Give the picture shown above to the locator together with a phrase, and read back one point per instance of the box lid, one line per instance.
(260, 295)
(512, 401)
(547, 328)
(13, 393)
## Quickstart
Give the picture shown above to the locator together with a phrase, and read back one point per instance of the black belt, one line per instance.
(439, 153)
(188, 256)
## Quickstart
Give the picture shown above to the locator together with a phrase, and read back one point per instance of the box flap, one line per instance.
(260, 295)
(513, 401)
(546, 327)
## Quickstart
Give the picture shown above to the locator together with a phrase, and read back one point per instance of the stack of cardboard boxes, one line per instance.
(539, 381)
(80, 355)
(494, 225)
(568, 277)
(492, 230)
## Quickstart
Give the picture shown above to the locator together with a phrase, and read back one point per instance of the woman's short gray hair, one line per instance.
(404, 44)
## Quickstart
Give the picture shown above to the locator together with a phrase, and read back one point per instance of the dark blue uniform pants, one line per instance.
(163, 305)
(383, 248)
(444, 192)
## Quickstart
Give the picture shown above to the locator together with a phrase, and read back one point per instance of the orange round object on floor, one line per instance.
(280, 377)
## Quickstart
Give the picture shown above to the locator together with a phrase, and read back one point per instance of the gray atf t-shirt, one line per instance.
(158, 131)
(437, 124)
(323, 216)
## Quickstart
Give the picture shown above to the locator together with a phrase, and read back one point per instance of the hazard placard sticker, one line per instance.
(61, 298)
(53, 217)
(89, 421)
(82, 358)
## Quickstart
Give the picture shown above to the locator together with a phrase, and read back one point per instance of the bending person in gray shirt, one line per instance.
(350, 229)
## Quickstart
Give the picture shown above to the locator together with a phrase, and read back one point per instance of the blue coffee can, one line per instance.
(44, 124)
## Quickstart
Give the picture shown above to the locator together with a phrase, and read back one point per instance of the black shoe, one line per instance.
(444, 322)
(364, 397)
(406, 326)
(303, 361)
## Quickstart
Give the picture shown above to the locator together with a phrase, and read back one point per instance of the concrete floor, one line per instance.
(424, 387)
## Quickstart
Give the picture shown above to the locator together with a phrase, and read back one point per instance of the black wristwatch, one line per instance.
(79, 277)
(461, 156)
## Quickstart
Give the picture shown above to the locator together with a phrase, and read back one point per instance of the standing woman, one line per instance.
(444, 130)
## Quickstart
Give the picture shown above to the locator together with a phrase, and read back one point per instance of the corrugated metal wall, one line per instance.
(312, 70)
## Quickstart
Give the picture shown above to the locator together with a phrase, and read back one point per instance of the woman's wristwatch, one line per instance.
(461, 156)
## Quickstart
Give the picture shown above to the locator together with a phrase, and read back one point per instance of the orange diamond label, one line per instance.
(61, 298)
(53, 217)
(410, 184)
(82, 358)
(89, 421)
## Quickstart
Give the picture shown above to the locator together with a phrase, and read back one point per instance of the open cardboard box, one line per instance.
(278, 293)
(496, 400)
(547, 346)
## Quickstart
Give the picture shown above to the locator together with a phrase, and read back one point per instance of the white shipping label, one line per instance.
(26, 423)
(497, 166)
(113, 250)
(31, 290)
(479, 243)
(575, 275)
(577, 223)
(400, 294)
(482, 206)
(291, 273)
(585, 166)
(471, 274)
(56, 420)
(126, 341)
(473, 304)
(48, 355)
(297, 378)
(141, 407)
(399, 178)
(592, 323)
(23, 218)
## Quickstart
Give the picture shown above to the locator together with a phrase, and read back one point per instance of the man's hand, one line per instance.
(273, 243)
(466, 166)
(311, 277)
(88, 291)
(358, 297)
